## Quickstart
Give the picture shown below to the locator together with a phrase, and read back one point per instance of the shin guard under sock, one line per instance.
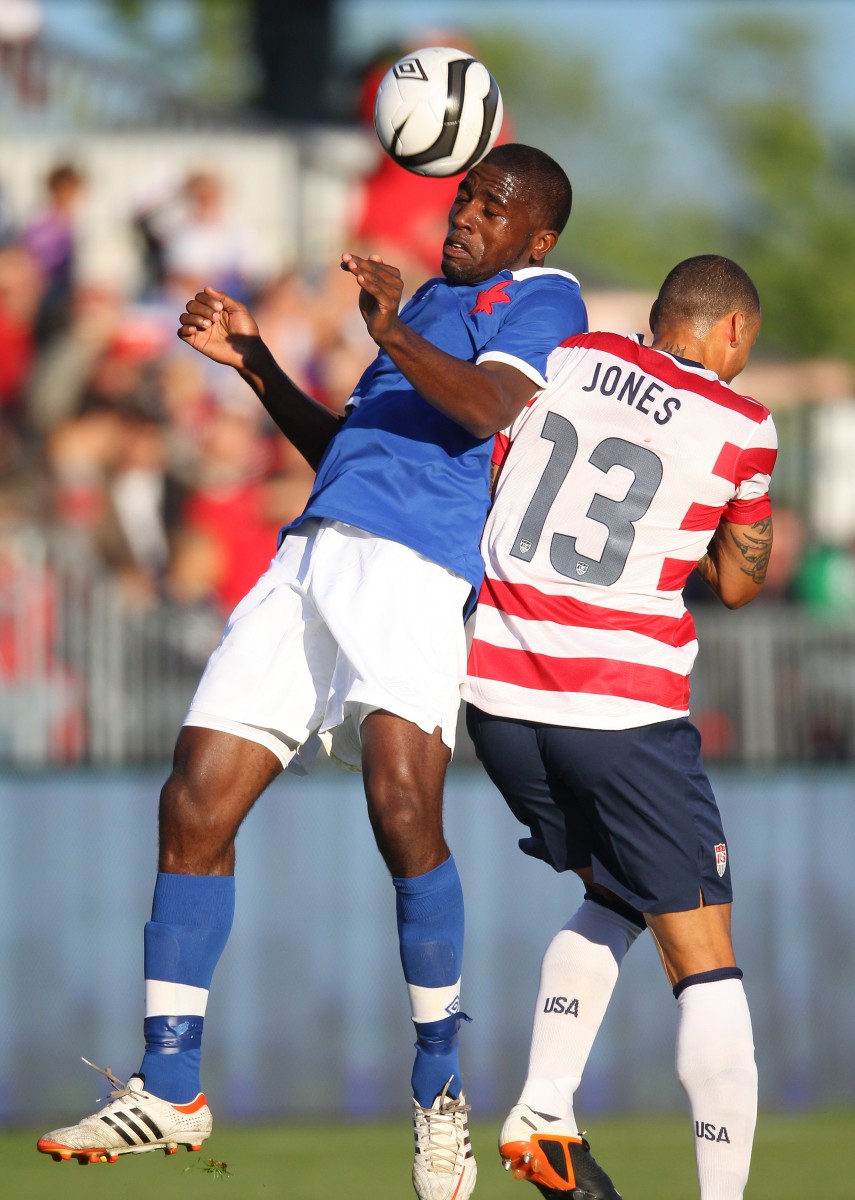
(190, 922)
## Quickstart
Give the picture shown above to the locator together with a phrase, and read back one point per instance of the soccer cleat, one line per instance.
(558, 1164)
(133, 1122)
(443, 1165)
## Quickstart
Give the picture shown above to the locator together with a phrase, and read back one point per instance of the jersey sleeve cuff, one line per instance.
(521, 365)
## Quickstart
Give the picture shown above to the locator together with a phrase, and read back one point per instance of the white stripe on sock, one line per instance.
(432, 1004)
(164, 999)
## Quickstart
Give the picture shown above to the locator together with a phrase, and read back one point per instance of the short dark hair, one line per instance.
(701, 290)
(62, 174)
(545, 183)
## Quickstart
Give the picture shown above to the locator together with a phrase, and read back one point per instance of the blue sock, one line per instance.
(191, 918)
(430, 933)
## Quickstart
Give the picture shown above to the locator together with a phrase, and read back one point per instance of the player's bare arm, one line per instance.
(483, 399)
(736, 561)
(224, 330)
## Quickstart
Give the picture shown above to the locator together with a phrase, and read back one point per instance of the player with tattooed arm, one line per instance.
(634, 467)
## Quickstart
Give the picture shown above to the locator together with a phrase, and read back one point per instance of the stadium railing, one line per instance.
(90, 678)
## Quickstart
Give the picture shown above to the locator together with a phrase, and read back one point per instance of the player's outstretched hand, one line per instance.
(219, 327)
(381, 288)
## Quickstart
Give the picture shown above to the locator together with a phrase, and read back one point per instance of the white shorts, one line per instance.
(341, 624)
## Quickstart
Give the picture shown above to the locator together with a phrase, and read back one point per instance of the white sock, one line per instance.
(577, 977)
(715, 1064)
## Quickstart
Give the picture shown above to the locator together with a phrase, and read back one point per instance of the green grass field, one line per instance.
(651, 1158)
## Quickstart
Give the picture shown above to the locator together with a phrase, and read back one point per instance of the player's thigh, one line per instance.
(657, 840)
(216, 779)
(403, 770)
(399, 760)
(512, 754)
(693, 941)
(216, 772)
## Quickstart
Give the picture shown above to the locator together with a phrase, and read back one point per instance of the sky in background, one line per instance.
(637, 44)
(639, 37)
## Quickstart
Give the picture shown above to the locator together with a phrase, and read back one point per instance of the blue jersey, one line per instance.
(401, 469)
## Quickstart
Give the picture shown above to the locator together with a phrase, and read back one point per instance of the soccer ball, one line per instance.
(438, 111)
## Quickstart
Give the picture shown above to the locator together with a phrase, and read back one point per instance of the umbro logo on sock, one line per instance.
(560, 1004)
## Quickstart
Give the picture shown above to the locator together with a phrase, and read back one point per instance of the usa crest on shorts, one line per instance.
(720, 858)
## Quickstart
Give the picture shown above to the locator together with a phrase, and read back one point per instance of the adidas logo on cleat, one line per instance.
(135, 1121)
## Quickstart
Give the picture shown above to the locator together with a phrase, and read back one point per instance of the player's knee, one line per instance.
(407, 825)
(185, 811)
(396, 817)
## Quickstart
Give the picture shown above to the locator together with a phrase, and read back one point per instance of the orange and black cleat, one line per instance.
(559, 1164)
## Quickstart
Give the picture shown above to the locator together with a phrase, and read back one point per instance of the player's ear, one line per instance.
(543, 243)
(654, 315)
(736, 327)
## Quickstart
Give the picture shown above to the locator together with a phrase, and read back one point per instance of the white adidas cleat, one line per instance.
(133, 1122)
(444, 1165)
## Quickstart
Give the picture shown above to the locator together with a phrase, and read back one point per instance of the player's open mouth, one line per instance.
(455, 249)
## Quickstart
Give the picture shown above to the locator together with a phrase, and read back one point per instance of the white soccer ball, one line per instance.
(438, 111)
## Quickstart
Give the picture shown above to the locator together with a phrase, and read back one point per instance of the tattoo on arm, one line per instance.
(755, 548)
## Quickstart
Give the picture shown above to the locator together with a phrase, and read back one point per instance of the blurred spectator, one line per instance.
(7, 228)
(21, 23)
(191, 239)
(63, 367)
(290, 310)
(825, 582)
(115, 497)
(20, 297)
(115, 501)
(232, 516)
(51, 239)
(187, 402)
(41, 710)
(788, 547)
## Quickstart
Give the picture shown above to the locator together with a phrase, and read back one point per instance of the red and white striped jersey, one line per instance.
(613, 481)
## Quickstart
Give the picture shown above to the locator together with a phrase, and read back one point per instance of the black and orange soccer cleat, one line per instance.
(559, 1164)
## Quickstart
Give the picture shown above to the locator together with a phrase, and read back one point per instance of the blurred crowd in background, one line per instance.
(139, 462)
(137, 455)
(141, 458)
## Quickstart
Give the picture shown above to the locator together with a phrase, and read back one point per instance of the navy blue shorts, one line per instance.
(634, 805)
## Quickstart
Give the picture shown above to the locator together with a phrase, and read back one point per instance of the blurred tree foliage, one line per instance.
(214, 58)
(760, 176)
(790, 218)
(271, 56)
(775, 187)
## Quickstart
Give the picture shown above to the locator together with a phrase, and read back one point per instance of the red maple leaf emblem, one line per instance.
(493, 295)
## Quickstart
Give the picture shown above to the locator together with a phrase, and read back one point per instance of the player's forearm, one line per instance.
(476, 397)
(736, 561)
(306, 423)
